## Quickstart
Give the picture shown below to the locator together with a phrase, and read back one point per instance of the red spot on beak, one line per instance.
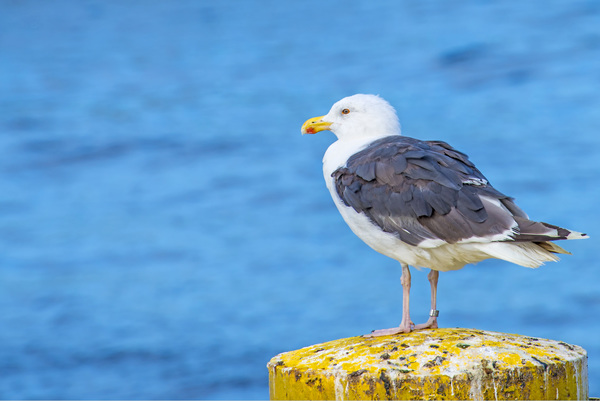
(310, 130)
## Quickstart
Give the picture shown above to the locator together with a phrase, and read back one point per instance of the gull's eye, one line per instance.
(345, 111)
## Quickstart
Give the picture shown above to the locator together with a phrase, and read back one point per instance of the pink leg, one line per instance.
(406, 325)
(433, 314)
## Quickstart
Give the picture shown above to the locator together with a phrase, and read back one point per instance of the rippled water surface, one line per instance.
(165, 229)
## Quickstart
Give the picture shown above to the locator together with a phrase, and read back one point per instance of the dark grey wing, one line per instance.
(421, 190)
(526, 230)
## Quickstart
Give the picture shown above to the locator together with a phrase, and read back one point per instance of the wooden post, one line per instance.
(441, 364)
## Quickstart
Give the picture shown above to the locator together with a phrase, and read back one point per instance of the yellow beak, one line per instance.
(314, 125)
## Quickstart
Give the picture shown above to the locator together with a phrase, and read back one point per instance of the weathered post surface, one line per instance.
(457, 364)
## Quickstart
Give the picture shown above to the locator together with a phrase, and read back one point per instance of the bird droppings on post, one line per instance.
(488, 365)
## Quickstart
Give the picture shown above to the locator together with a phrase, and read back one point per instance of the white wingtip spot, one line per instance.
(576, 235)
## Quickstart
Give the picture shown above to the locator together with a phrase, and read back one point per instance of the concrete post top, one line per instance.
(433, 364)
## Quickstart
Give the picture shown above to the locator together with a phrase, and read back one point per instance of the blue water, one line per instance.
(165, 229)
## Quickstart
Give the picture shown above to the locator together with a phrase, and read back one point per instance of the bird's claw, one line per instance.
(431, 323)
(404, 328)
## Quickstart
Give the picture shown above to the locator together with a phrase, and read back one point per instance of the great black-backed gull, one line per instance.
(422, 203)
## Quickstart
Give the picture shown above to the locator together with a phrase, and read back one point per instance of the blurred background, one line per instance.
(165, 229)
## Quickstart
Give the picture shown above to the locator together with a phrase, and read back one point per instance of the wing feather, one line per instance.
(421, 190)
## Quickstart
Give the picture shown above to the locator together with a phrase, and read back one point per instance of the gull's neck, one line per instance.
(338, 152)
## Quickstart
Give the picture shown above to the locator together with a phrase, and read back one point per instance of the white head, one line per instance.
(357, 116)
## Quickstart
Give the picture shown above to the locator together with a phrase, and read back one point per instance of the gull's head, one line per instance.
(357, 116)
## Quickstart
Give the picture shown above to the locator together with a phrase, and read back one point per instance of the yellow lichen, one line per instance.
(432, 364)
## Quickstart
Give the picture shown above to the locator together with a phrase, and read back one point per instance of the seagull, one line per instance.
(422, 203)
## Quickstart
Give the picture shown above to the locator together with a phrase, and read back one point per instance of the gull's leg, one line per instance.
(433, 314)
(406, 325)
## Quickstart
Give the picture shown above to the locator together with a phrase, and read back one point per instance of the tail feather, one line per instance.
(538, 232)
(552, 247)
(521, 253)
